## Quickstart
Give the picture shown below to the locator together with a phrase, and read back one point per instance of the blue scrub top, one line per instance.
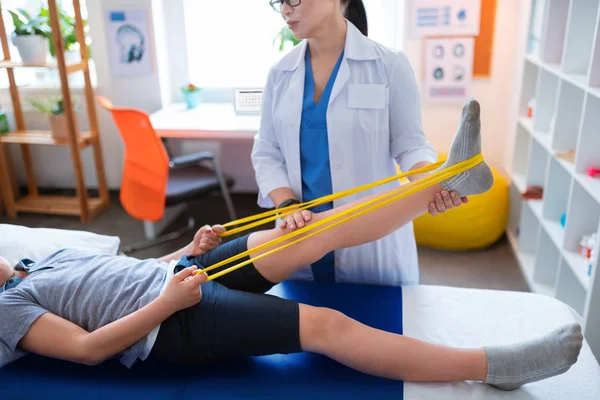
(314, 156)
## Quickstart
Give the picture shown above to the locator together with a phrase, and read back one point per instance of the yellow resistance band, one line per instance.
(348, 214)
(272, 215)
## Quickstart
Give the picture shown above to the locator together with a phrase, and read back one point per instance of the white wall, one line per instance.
(495, 94)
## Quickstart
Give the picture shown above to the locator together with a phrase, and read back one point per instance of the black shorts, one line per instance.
(234, 318)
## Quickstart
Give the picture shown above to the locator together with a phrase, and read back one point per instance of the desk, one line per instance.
(216, 123)
(207, 121)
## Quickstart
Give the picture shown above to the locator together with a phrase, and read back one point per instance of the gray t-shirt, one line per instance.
(90, 290)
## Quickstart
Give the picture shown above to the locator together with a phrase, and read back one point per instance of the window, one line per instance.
(386, 21)
(230, 43)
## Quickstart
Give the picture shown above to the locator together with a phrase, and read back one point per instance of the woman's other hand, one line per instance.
(296, 220)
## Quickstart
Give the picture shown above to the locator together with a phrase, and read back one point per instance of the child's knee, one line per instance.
(320, 326)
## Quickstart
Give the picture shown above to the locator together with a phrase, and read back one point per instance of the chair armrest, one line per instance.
(191, 159)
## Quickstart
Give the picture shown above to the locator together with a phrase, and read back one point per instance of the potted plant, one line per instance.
(69, 34)
(55, 110)
(191, 94)
(30, 36)
(284, 36)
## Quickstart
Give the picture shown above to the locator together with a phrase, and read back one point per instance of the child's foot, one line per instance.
(467, 144)
(514, 365)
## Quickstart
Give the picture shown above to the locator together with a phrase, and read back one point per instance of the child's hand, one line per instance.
(445, 201)
(206, 239)
(184, 290)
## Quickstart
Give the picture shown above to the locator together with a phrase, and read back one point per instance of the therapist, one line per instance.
(339, 111)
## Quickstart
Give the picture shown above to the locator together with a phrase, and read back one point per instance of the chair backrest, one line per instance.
(146, 169)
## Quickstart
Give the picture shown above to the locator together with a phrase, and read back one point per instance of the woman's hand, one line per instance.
(444, 201)
(296, 220)
(184, 290)
(206, 239)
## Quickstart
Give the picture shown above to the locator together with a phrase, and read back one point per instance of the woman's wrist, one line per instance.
(288, 202)
(281, 194)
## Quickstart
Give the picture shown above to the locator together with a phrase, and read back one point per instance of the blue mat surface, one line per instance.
(296, 376)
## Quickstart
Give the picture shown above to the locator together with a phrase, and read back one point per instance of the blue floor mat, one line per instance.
(295, 376)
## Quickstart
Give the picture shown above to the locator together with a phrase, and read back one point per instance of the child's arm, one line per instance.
(53, 336)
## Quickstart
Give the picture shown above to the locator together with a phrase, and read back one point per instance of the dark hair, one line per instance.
(355, 12)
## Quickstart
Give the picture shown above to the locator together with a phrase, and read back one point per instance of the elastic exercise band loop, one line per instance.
(348, 218)
(368, 206)
(273, 215)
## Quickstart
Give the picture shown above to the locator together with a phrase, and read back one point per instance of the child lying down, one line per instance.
(87, 308)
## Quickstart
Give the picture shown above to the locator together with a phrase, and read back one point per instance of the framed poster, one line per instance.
(448, 69)
(444, 18)
(128, 36)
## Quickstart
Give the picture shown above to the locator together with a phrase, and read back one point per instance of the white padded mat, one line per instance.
(472, 317)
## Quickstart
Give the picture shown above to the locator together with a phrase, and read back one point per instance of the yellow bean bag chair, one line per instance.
(472, 226)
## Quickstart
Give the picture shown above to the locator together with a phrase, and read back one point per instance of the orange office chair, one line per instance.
(151, 181)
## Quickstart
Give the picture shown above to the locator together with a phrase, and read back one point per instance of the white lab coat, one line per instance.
(370, 128)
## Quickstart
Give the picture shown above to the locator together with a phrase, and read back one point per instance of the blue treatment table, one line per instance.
(296, 376)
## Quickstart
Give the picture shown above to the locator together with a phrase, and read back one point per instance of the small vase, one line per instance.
(33, 49)
(58, 126)
(191, 99)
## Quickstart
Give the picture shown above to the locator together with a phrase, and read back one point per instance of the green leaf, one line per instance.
(16, 20)
(38, 21)
(25, 25)
(285, 35)
(42, 107)
(50, 106)
(51, 48)
(24, 13)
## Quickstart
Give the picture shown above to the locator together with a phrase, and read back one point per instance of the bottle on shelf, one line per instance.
(585, 246)
(530, 108)
(588, 248)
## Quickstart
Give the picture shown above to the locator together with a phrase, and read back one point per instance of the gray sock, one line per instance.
(467, 144)
(514, 365)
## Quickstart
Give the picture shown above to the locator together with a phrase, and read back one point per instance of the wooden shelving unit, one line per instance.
(563, 77)
(81, 205)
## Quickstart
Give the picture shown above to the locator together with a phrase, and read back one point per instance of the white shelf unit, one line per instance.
(560, 71)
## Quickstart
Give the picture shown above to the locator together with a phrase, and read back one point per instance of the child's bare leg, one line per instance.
(393, 356)
(366, 228)
(385, 354)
